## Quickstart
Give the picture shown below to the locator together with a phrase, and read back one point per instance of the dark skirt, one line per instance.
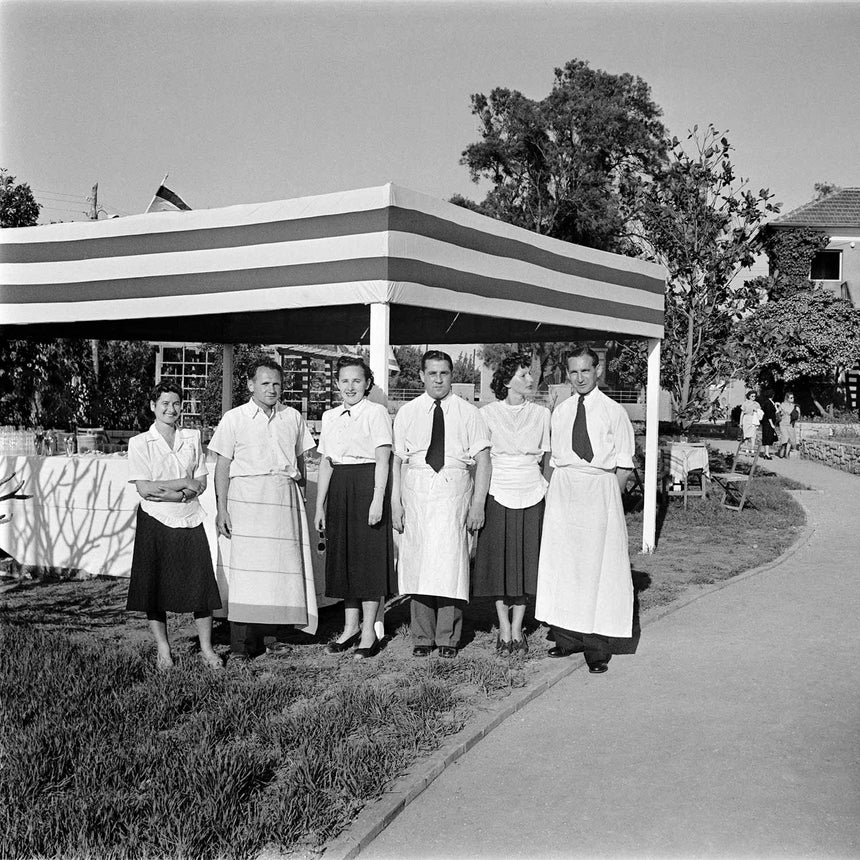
(171, 570)
(359, 562)
(506, 561)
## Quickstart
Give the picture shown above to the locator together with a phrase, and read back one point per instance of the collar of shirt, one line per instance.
(430, 402)
(354, 410)
(252, 410)
(153, 435)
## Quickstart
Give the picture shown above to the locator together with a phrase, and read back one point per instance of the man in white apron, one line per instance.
(258, 477)
(437, 437)
(584, 588)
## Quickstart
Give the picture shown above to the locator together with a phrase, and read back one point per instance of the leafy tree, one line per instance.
(825, 189)
(566, 166)
(243, 355)
(121, 392)
(47, 383)
(805, 338)
(700, 222)
(18, 207)
(409, 360)
(465, 370)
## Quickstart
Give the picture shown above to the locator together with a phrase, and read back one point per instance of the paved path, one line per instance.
(734, 732)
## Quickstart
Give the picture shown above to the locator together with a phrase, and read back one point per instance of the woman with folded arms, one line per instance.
(509, 544)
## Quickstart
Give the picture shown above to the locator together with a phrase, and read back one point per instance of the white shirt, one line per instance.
(609, 430)
(150, 458)
(351, 434)
(260, 444)
(465, 432)
(519, 437)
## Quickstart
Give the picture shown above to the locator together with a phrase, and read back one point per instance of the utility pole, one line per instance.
(94, 216)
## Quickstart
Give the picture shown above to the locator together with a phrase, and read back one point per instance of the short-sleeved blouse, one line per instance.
(351, 434)
(519, 437)
(150, 458)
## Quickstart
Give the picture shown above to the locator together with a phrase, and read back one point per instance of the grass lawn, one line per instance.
(104, 757)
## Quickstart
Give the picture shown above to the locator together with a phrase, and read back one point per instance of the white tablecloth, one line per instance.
(82, 513)
(686, 457)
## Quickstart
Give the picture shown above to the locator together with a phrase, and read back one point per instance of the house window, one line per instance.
(826, 266)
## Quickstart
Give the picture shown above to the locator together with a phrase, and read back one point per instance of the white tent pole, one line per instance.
(652, 422)
(226, 377)
(380, 319)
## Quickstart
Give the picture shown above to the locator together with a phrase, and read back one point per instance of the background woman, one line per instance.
(768, 423)
(171, 569)
(354, 506)
(508, 546)
(751, 415)
(787, 415)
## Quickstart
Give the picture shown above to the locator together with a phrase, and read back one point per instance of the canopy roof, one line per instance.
(304, 271)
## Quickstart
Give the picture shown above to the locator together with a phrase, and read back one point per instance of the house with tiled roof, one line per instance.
(837, 215)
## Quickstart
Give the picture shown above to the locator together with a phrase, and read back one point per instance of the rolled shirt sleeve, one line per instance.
(139, 467)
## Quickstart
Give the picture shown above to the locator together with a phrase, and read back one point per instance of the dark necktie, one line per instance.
(580, 441)
(435, 457)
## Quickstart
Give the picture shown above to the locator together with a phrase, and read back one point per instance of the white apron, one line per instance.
(267, 563)
(434, 548)
(584, 582)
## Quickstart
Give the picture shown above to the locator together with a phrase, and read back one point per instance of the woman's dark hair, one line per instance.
(352, 361)
(166, 386)
(749, 394)
(506, 371)
(436, 355)
(580, 351)
(768, 393)
(268, 363)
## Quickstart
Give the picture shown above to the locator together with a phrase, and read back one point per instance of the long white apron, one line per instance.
(434, 548)
(267, 563)
(584, 582)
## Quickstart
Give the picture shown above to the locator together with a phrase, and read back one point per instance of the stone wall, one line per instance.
(817, 429)
(840, 455)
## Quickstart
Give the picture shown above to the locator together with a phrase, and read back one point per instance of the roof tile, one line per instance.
(840, 209)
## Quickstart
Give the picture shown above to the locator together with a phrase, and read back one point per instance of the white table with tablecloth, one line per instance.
(81, 516)
(686, 457)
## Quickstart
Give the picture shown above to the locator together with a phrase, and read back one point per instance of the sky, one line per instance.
(248, 101)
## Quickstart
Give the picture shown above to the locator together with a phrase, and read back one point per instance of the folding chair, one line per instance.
(736, 484)
(694, 482)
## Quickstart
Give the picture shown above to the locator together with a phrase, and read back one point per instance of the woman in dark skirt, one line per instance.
(171, 569)
(354, 507)
(768, 423)
(506, 560)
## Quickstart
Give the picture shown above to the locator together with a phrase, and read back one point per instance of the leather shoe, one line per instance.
(520, 645)
(447, 651)
(598, 668)
(421, 651)
(364, 653)
(558, 651)
(503, 647)
(339, 647)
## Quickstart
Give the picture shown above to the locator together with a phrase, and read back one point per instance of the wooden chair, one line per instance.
(736, 484)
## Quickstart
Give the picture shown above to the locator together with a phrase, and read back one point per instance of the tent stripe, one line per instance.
(339, 271)
(392, 218)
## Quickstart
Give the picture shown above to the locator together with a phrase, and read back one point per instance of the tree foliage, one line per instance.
(409, 360)
(121, 394)
(790, 253)
(700, 222)
(18, 207)
(806, 335)
(465, 370)
(567, 165)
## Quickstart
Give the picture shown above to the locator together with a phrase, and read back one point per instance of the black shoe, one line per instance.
(365, 653)
(421, 651)
(448, 652)
(339, 647)
(599, 667)
(558, 651)
(503, 648)
(520, 646)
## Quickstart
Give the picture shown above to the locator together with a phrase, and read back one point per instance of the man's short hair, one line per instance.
(354, 361)
(268, 363)
(506, 371)
(580, 351)
(436, 355)
(166, 386)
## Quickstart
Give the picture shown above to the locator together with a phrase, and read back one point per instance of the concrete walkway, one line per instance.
(734, 732)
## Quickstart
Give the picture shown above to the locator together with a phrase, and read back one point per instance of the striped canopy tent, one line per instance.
(384, 261)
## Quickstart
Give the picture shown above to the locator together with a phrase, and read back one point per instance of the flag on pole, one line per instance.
(166, 200)
(393, 366)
